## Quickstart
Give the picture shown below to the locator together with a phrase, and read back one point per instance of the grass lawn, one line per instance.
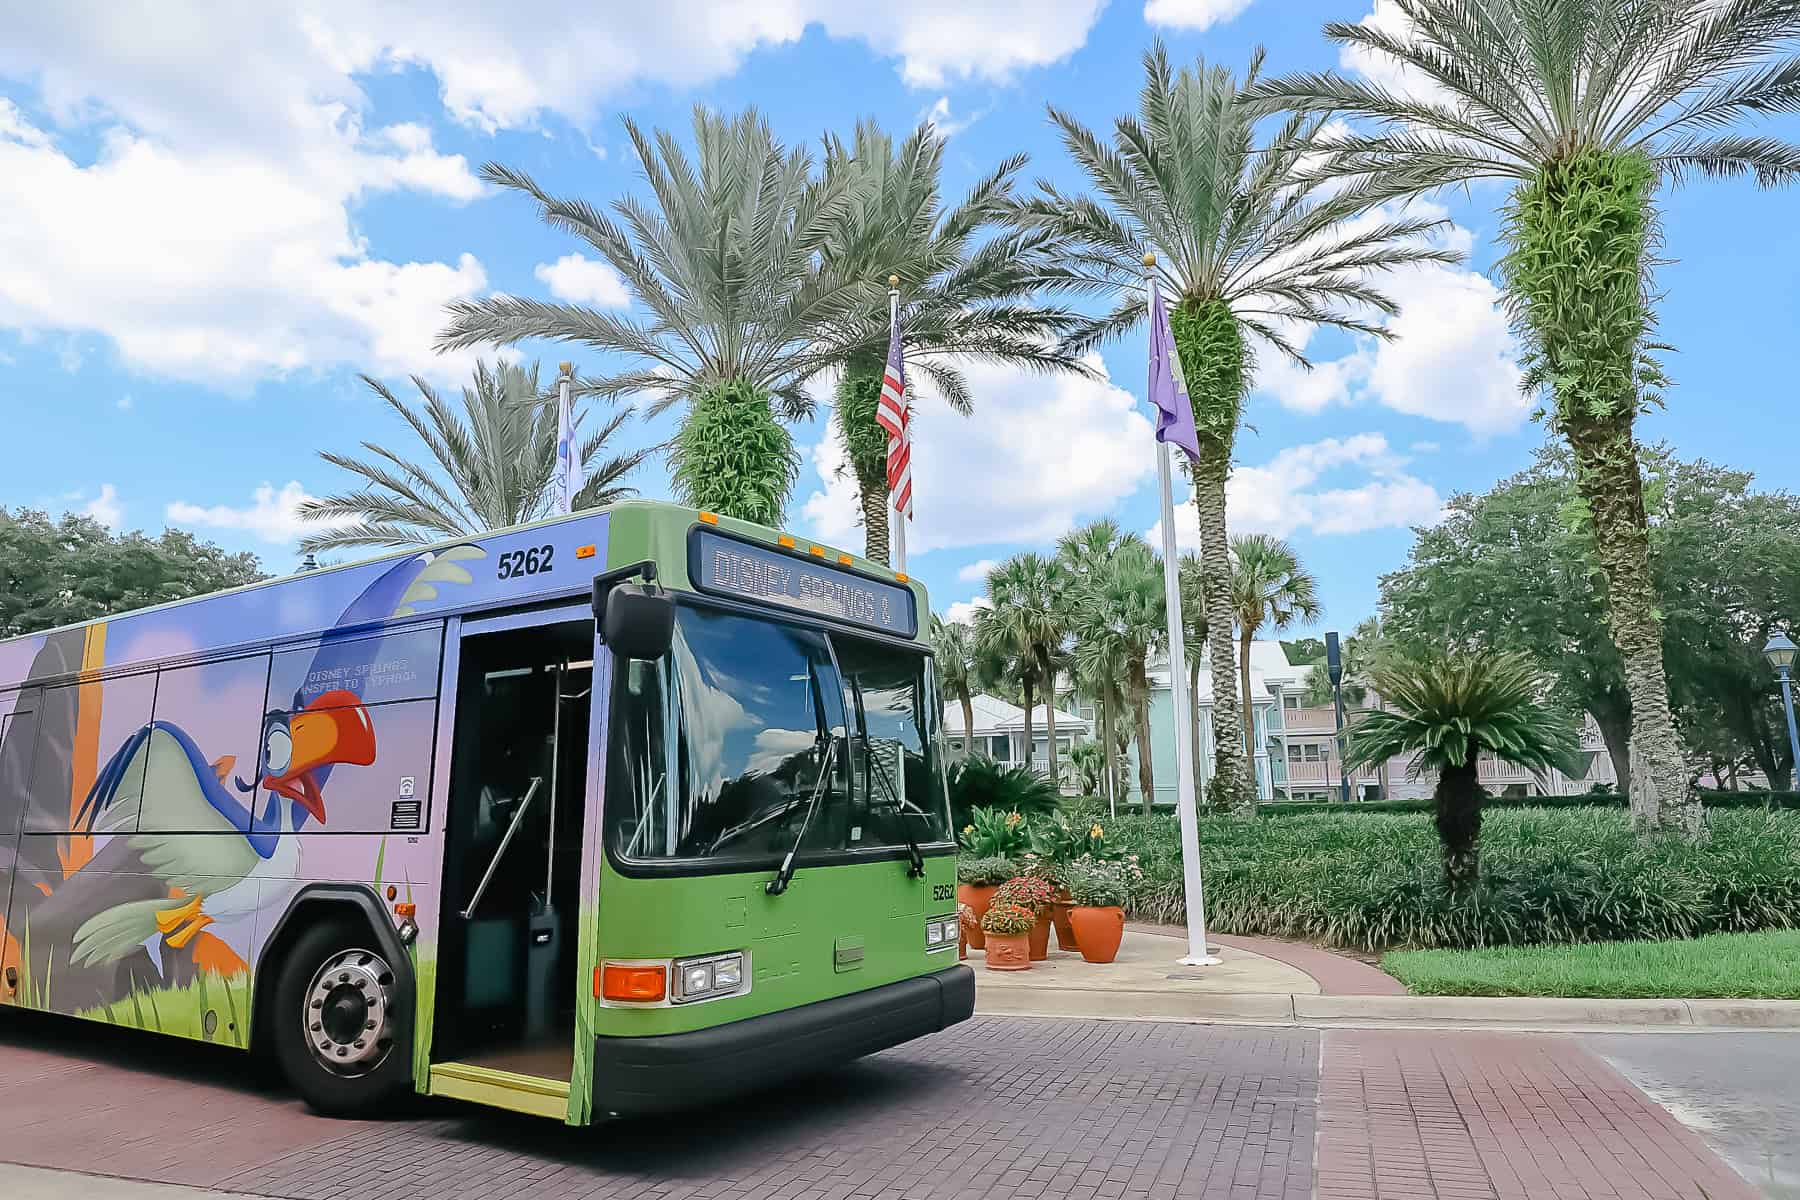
(1722, 966)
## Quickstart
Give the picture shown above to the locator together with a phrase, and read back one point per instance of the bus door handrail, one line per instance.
(487, 877)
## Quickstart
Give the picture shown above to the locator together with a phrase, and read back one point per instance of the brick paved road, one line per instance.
(995, 1108)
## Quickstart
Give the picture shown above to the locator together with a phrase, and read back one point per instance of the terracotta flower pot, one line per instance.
(1040, 937)
(977, 896)
(1059, 920)
(1098, 932)
(1009, 952)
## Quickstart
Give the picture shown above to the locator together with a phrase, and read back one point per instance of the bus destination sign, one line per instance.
(727, 567)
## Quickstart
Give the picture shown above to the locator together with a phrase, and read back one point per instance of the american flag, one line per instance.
(893, 412)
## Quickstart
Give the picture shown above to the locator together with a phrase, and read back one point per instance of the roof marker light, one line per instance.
(900, 575)
(708, 518)
(584, 552)
(786, 539)
(845, 559)
(818, 551)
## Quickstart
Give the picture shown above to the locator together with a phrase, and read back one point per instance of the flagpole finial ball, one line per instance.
(1150, 259)
(893, 281)
(567, 368)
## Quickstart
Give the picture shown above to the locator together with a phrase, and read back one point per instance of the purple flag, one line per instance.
(1168, 389)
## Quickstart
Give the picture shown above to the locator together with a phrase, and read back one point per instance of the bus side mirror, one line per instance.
(638, 621)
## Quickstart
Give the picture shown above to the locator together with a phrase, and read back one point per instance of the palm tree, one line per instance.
(1267, 585)
(730, 261)
(967, 282)
(958, 673)
(1446, 714)
(1026, 619)
(1193, 635)
(1120, 622)
(1084, 553)
(1249, 249)
(1585, 107)
(492, 465)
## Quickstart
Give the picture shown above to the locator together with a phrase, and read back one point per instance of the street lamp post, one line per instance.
(1781, 652)
(1334, 667)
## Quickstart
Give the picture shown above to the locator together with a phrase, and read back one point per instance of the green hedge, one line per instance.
(1371, 881)
(1286, 808)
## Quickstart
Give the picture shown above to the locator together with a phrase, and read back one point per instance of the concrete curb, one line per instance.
(1499, 1012)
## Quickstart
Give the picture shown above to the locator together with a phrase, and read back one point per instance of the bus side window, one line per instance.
(81, 728)
(217, 710)
(641, 765)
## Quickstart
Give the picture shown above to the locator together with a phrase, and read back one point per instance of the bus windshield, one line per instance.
(720, 749)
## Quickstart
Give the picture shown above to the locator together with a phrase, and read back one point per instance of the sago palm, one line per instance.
(1026, 619)
(1251, 249)
(968, 286)
(958, 673)
(1585, 107)
(487, 464)
(1446, 713)
(1268, 587)
(728, 262)
(1120, 621)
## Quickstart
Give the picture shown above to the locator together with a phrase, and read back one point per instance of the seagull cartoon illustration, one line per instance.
(213, 868)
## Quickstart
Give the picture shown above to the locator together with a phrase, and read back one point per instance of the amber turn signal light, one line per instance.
(633, 985)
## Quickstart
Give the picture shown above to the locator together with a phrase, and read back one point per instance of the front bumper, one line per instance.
(635, 1075)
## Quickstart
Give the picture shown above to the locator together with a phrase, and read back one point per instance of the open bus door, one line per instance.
(504, 1030)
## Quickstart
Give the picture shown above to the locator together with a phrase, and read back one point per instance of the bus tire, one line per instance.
(337, 1022)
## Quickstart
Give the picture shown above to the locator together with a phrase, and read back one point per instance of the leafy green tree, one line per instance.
(968, 291)
(1360, 651)
(58, 572)
(1268, 586)
(1586, 107)
(1251, 247)
(958, 671)
(1025, 620)
(1445, 714)
(489, 465)
(730, 260)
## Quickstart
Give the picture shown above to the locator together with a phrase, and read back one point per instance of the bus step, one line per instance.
(501, 1089)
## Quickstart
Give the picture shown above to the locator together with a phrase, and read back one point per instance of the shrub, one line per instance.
(984, 872)
(1027, 891)
(1098, 883)
(995, 833)
(978, 782)
(1008, 920)
(1553, 875)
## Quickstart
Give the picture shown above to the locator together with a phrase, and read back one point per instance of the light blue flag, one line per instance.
(568, 458)
(1168, 390)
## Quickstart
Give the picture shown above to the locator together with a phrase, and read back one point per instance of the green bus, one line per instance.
(615, 813)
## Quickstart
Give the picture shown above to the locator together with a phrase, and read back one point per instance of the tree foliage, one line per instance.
(730, 455)
(489, 465)
(70, 569)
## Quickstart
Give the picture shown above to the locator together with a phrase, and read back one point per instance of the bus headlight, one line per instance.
(709, 978)
(941, 933)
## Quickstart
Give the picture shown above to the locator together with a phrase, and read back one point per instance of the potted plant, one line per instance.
(976, 881)
(1035, 894)
(1059, 842)
(1008, 933)
(1099, 889)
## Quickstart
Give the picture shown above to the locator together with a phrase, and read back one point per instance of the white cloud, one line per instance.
(1381, 69)
(105, 508)
(1038, 454)
(1281, 496)
(773, 747)
(582, 280)
(977, 571)
(272, 516)
(963, 611)
(1452, 357)
(1426, 447)
(944, 122)
(1198, 15)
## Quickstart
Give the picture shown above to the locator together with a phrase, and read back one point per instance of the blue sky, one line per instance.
(212, 222)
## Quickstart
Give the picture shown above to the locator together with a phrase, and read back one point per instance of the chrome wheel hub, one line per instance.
(347, 1013)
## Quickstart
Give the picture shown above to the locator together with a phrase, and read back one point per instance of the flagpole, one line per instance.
(565, 432)
(1185, 807)
(896, 518)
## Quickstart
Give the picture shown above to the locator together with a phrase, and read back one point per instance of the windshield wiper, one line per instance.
(785, 874)
(879, 772)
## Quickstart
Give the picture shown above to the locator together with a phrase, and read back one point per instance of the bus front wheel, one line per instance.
(337, 1022)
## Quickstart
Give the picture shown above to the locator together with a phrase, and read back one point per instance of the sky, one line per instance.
(213, 218)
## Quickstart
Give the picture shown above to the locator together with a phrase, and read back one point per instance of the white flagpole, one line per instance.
(565, 434)
(1185, 806)
(896, 518)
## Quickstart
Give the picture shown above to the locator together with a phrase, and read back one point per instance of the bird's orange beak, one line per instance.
(333, 729)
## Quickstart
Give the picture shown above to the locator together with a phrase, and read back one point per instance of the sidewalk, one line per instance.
(1266, 982)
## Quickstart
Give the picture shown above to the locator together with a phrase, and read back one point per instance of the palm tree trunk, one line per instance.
(873, 493)
(1230, 784)
(968, 711)
(1140, 686)
(1458, 798)
(1026, 682)
(1050, 713)
(1244, 639)
(1194, 714)
(1608, 478)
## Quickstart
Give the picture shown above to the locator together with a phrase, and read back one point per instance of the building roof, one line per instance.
(1269, 666)
(995, 716)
